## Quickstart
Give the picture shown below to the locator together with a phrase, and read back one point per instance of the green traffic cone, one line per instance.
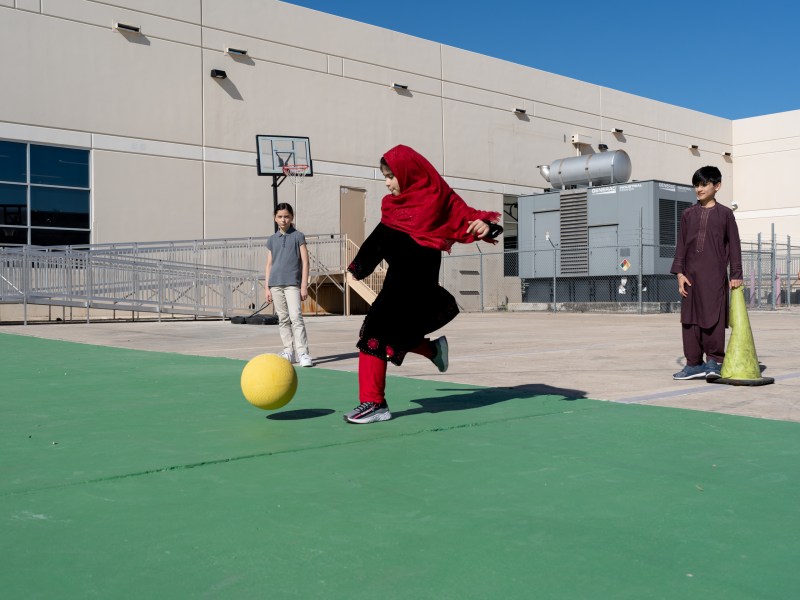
(741, 366)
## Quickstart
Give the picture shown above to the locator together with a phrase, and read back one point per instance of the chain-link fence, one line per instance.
(632, 278)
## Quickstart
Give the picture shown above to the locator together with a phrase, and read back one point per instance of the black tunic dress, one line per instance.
(411, 303)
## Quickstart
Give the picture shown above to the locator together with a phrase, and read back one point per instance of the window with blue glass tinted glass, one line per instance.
(13, 162)
(58, 237)
(59, 207)
(13, 235)
(44, 195)
(51, 165)
(13, 204)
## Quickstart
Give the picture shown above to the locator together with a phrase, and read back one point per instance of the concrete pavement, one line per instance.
(616, 357)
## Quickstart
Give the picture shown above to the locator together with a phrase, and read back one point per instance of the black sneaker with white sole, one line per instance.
(441, 359)
(368, 412)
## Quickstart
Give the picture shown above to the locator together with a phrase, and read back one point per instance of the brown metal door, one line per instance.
(352, 206)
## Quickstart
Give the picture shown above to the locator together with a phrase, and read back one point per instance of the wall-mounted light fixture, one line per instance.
(399, 86)
(694, 147)
(520, 111)
(126, 28)
(727, 154)
(235, 52)
(602, 147)
(616, 130)
(219, 74)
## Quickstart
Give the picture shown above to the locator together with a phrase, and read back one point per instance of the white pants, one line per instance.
(291, 326)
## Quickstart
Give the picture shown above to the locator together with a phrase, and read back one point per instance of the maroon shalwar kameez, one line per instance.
(708, 244)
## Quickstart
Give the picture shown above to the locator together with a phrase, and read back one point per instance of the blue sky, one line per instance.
(732, 59)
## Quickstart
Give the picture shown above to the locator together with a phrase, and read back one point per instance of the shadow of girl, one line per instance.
(478, 398)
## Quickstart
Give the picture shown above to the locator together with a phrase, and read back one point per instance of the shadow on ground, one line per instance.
(321, 360)
(303, 413)
(478, 398)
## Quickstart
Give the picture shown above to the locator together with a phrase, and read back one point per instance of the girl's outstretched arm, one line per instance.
(370, 255)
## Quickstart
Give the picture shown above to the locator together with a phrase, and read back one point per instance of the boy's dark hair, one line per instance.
(706, 175)
(284, 206)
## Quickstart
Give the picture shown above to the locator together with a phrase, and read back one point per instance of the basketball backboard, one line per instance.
(277, 151)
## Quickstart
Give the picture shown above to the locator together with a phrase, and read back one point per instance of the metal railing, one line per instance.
(80, 278)
(325, 252)
(224, 278)
(214, 278)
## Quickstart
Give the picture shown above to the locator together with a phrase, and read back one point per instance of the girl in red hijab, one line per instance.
(420, 217)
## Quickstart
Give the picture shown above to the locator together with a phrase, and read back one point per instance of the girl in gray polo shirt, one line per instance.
(287, 284)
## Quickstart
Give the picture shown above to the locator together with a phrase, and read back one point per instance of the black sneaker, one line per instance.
(440, 359)
(368, 412)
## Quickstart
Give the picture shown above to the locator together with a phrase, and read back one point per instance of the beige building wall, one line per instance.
(766, 154)
(174, 149)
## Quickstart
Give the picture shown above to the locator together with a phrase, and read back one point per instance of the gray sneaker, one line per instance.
(440, 359)
(712, 368)
(368, 412)
(695, 372)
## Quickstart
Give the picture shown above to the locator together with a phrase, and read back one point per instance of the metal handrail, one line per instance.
(195, 277)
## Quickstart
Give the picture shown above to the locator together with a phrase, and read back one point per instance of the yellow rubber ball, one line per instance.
(269, 381)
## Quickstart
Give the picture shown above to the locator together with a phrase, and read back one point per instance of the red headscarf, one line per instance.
(427, 208)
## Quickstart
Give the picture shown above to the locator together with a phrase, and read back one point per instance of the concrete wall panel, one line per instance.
(31, 5)
(417, 84)
(769, 127)
(181, 10)
(88, 78)
(257, 50)
(345, 119)
(483, 72)
(146, 198)
(104, 15)
(759, 177)
(313, 30)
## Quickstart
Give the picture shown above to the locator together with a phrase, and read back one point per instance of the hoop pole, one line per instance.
(275, 184)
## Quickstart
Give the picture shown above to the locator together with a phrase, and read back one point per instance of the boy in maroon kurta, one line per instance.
(708, 244)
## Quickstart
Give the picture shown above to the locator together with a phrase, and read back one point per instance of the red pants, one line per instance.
(372, 373)
(698, 340)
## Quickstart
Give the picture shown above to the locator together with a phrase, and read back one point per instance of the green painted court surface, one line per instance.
(129, 474)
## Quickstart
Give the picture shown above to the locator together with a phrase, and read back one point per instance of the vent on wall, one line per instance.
(669, 225)
(574, 216)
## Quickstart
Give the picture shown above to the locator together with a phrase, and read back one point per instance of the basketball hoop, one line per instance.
(295, 173)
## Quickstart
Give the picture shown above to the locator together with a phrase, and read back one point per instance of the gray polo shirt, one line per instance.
(287, 269)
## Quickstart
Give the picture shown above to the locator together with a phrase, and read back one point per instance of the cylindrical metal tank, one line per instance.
(603, 168)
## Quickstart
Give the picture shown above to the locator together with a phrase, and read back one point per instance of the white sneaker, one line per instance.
(306, 361)
(287, 355)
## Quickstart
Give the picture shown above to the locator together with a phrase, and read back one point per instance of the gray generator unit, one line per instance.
(596, 241)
